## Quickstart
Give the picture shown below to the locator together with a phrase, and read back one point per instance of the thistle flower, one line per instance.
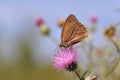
(66, 59)
(110, 31)
(60, 22)
(93, 21)
(99, 51)
(39, 21)
(93, 18)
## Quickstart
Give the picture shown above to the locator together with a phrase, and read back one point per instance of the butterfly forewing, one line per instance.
(70, 21)
(72, 32)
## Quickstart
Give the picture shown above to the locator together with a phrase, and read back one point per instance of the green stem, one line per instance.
(116, 45)
(77, 74)
(118, 59)
(113, 68)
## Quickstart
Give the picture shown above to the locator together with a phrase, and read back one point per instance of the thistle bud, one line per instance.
(44, 29)
(60, 22)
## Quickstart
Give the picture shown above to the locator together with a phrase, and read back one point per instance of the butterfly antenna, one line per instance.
(56, 49)
(53, 39)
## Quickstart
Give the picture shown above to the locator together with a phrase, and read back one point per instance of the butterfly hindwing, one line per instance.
(79, 32)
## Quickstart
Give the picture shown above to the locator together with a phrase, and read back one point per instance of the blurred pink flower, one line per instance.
(39, 21)
(66, 58)
(93, 18)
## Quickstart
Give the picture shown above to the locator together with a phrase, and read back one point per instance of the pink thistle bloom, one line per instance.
(39, 21)
(66, 58)
(93, 18)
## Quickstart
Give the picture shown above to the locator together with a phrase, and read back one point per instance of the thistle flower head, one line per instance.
(110, 31)
(60, 21)
(39, 21)
(66, 58)
(93, 18)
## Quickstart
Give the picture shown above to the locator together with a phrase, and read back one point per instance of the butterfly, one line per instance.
(72, 32)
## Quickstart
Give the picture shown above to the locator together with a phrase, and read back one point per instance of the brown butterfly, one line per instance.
(72, 32)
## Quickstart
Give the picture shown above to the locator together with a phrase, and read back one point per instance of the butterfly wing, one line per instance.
(79, 32)
(70, 21)
(72, 32)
